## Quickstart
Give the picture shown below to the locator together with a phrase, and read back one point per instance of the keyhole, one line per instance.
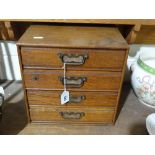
(35, 78)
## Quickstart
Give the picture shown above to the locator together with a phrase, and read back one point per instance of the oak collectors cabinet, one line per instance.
(95, 57)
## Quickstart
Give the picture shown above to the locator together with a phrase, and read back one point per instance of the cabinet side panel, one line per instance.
(25, 94)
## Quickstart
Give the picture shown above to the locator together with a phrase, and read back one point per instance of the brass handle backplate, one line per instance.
(72, 115)
(75, 82)
(76, 99)
(73, 59)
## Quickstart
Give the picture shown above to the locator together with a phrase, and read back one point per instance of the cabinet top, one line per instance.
(73, 37)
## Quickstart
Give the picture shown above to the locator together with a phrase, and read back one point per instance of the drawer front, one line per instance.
(71, 115)
(76, 98)
(77, 59)
(76, 80)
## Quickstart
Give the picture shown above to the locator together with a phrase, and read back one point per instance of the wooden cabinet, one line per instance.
(95, 60)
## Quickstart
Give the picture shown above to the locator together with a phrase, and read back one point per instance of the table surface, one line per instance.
(69, 36)
(95, 21)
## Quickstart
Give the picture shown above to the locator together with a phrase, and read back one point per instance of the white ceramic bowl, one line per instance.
(150, 124)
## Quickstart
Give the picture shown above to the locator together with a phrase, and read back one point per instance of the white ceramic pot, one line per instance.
(143, 76)
(150, 124)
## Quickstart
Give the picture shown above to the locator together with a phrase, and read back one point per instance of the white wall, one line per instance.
(9, 65)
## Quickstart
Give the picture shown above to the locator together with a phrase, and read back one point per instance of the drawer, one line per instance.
(71, 115)
(86, 59)
(75, 80)
(76, 98)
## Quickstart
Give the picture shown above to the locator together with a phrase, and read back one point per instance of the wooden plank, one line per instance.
(95, 21)
(146, 35)
(9, 30)
(1, 38)
(131, 37)
(14, 32)
(3, 31)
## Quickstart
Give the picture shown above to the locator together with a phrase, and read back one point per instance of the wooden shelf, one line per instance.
(90, 21)
(140, 31)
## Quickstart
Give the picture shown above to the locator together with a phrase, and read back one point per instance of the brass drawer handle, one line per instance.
(75, 82)
(72, 115)
(76, 99)
(73, 59)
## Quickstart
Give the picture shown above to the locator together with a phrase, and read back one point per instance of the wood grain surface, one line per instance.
(90, 21)
(96, 99)
(91, 115)
(49, 80)
(73, 37)
(49, 58)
